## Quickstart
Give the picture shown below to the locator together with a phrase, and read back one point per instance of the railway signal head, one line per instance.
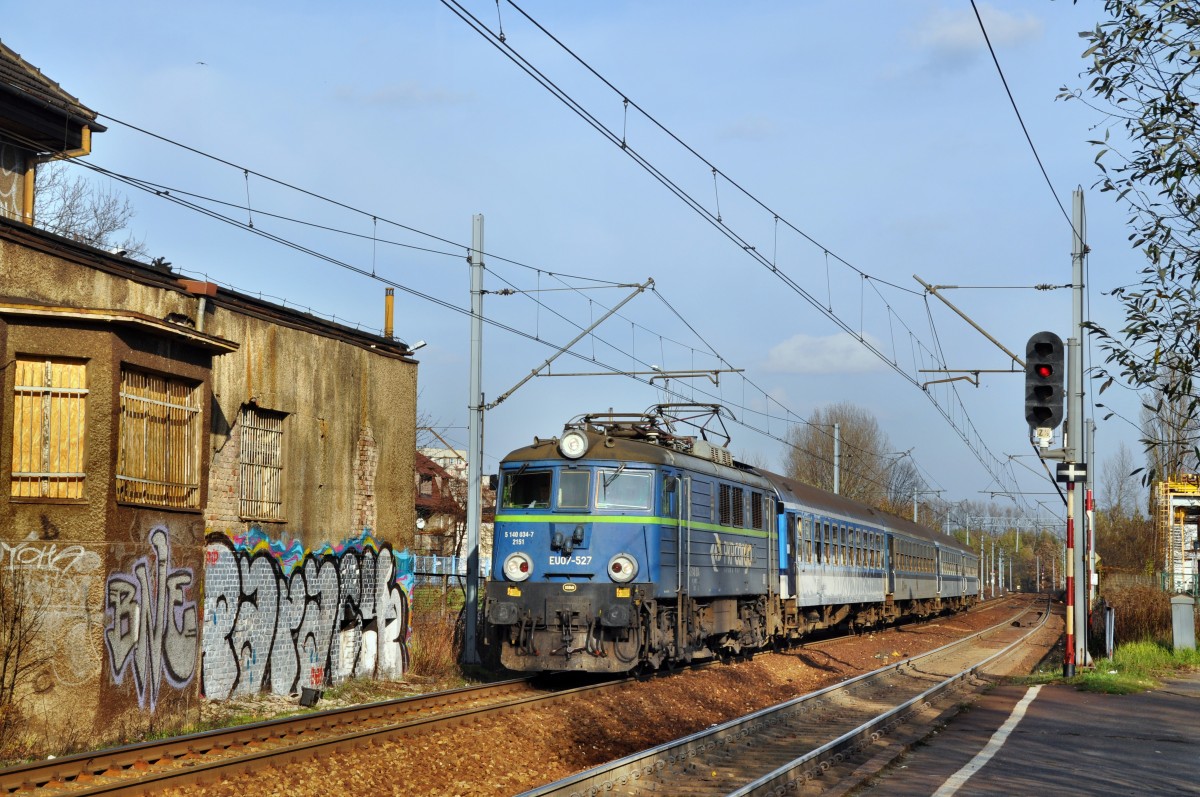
(1044, 394)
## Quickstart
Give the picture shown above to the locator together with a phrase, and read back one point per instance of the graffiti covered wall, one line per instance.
(58, 578)
(278, 618)
(151, 632)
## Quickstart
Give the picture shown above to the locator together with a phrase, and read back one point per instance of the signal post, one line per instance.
(1044, 399)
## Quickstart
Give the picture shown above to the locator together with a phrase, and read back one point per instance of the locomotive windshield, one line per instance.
(624, 489)
(530, 489)
(573, 488)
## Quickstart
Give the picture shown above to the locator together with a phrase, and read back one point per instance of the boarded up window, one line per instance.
(260, 464)
(158, 453)
(49, 421)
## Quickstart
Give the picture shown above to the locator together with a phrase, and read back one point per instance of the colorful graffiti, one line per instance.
(277, 618)
(152, 629)
(59, 578)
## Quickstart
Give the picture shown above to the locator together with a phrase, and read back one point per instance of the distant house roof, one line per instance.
(34, 107)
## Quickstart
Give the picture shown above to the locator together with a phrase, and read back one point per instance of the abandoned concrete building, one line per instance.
(209, 495)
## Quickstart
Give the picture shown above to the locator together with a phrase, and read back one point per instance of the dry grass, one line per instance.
(433, 654)
(1140, 614)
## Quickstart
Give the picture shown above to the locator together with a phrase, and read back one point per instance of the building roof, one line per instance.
(34, 107)
(161, 276)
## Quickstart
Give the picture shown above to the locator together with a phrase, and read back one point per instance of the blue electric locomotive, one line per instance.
(624, 543)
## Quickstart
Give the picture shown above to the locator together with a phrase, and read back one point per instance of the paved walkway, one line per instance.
(1055, 740)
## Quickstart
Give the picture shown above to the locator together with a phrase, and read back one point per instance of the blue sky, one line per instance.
(878, 133)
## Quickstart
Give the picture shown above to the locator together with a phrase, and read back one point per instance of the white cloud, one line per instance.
(806, 354)
(954, 35)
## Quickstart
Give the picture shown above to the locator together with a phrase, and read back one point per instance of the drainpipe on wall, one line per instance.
(30, 177)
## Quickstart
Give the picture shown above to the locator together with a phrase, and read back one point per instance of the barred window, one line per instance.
(49, 422)
(725, 517)
(739, 507)
(158, 450)
(260, 464)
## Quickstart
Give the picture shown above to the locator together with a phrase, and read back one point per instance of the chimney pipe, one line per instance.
(388, 303)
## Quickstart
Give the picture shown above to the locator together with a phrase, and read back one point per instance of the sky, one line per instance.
(787, 169)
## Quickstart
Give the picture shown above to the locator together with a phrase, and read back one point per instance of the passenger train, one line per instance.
(624, 543)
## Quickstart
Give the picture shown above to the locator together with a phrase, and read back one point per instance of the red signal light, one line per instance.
(1044, 371)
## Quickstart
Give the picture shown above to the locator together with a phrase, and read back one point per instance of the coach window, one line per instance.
(526, 489)
(624, 489)
(573, 489)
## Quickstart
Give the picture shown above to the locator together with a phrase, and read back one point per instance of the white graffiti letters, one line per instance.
(333, 616)
(153, 625)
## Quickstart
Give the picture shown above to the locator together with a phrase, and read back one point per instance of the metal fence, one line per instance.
(438, 582)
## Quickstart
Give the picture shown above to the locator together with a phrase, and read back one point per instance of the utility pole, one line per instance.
(837, 458)
(1089, 507)
(470, 653)
(1076, 426)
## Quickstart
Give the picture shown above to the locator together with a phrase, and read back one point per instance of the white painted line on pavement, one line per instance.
(958, 779)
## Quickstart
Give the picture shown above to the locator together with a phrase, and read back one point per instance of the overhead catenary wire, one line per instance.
(990, 462)
(184, 199)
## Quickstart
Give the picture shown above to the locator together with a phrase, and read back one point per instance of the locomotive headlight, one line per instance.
(622, 568)
(573, 444)
(517, 567)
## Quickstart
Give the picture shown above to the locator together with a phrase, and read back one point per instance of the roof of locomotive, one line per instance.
(624, 449)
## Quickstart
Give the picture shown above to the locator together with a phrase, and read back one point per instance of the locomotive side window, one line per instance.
(624, 489)
(529, 489)
(739, 507)
(725, 507)
(573, 489)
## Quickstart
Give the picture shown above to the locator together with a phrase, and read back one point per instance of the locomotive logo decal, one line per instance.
(732, 554)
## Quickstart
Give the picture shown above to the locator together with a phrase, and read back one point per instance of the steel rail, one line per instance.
(82, 766)
(625, 773)
(777, 782)
(77, 773)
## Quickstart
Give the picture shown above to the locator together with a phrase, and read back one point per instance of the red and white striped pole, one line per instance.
(1069, 654)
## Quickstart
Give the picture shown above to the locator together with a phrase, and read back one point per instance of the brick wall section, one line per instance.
(366, 465)
(223, 498)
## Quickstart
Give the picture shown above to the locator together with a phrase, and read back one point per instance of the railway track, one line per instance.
(148, 767)
(201, 759)
(777, 750)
